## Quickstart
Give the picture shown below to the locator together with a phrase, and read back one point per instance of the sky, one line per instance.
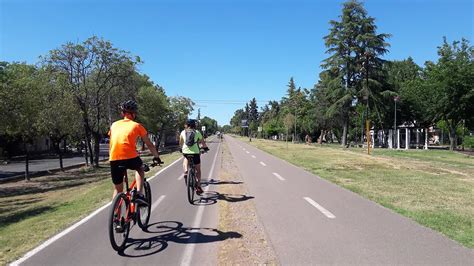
(222, 53)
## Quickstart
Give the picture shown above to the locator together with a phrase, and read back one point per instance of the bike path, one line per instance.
(312, 221)
(179, 233)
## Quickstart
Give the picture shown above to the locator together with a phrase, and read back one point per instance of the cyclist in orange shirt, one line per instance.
(123, 153)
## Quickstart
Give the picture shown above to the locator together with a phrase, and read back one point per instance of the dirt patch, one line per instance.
(237, 213)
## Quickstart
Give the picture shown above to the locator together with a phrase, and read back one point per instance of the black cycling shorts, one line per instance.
(196, 157)
(118, 168)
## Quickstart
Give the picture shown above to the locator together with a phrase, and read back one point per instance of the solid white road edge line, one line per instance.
(279, 176)
(189, 250)
(320, 208)
(262, 163)
(74, 226)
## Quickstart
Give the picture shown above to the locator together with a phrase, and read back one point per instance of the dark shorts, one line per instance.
(118, 168)
(196, 157)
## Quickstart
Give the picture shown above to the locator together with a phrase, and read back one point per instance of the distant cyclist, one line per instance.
(123, 153)
(190, 141)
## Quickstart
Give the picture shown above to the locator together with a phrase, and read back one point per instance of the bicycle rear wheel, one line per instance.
(144, 212)
(119, 227)
(191, 185)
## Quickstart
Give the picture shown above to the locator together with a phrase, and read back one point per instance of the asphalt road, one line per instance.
(312, 221)
(307, 220)
(15, 168)
(179, 233)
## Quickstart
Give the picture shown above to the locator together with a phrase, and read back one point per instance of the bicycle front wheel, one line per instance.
(119, 226)
(144, 212)
(191, 185)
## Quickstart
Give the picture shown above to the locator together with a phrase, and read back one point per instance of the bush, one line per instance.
(469, 142)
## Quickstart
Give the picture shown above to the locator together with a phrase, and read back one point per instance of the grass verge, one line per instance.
(434, 188)
(31, 212)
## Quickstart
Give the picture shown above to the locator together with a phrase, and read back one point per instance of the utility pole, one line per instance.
(395, 99)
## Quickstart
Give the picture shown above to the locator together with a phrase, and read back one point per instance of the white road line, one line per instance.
(320, 208)
(58, 236)
(262, 163)
(155, 204)
(247, 152)
(189, 250)
(279, 176)
(74, 226)
(253, 156)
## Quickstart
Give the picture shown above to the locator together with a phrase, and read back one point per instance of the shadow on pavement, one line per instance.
(162, 233)
(218, 182)
(211, 197)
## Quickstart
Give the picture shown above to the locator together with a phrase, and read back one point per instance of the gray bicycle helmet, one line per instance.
(129, 106)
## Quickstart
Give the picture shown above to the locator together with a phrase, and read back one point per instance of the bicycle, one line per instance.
(125, 210)
(191, 180)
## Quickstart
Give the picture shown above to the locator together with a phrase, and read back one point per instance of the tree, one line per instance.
(59, 117)
(452, 81)
(20, 104)
(351, 42)
(153, 110)
(93, 69)
(210, 124)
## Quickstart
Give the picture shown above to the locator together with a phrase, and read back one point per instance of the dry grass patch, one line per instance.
(237, 213)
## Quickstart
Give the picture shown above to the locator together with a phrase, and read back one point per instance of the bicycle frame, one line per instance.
(131, 210)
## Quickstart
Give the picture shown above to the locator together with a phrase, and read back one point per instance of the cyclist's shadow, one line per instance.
(162, 233)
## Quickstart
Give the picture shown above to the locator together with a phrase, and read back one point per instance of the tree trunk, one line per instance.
(86, 152)
(157, 140)
(60, 153)
(64, 146)
(27, 161)
(345, 129)
(452, 138)
(96, 149)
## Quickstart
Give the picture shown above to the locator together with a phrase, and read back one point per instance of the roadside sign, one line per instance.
(245, 123)
(203, 128)
(260, 129)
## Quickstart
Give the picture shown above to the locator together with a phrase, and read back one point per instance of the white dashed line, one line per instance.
(279, 176)
(253, 156)
(160, 199)
(262, 163)
(320, 208)
(247, 152)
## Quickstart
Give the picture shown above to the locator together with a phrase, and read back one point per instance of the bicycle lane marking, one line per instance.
(279, 176)
(156, 203)
(66, 231)
(320, 208)
(189, 250)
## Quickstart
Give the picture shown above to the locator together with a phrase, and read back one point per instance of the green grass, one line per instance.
(32, 212)
(434, 188)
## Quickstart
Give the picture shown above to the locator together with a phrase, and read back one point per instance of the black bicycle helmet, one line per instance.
(129, 106)
(191, 123)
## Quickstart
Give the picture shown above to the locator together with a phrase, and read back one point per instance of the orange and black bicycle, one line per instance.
(125, 210)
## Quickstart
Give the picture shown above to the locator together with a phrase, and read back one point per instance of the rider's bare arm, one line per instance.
(150, 146)
(202, 143)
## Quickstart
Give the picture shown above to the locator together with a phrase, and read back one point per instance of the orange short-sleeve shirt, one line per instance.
(123, 139)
